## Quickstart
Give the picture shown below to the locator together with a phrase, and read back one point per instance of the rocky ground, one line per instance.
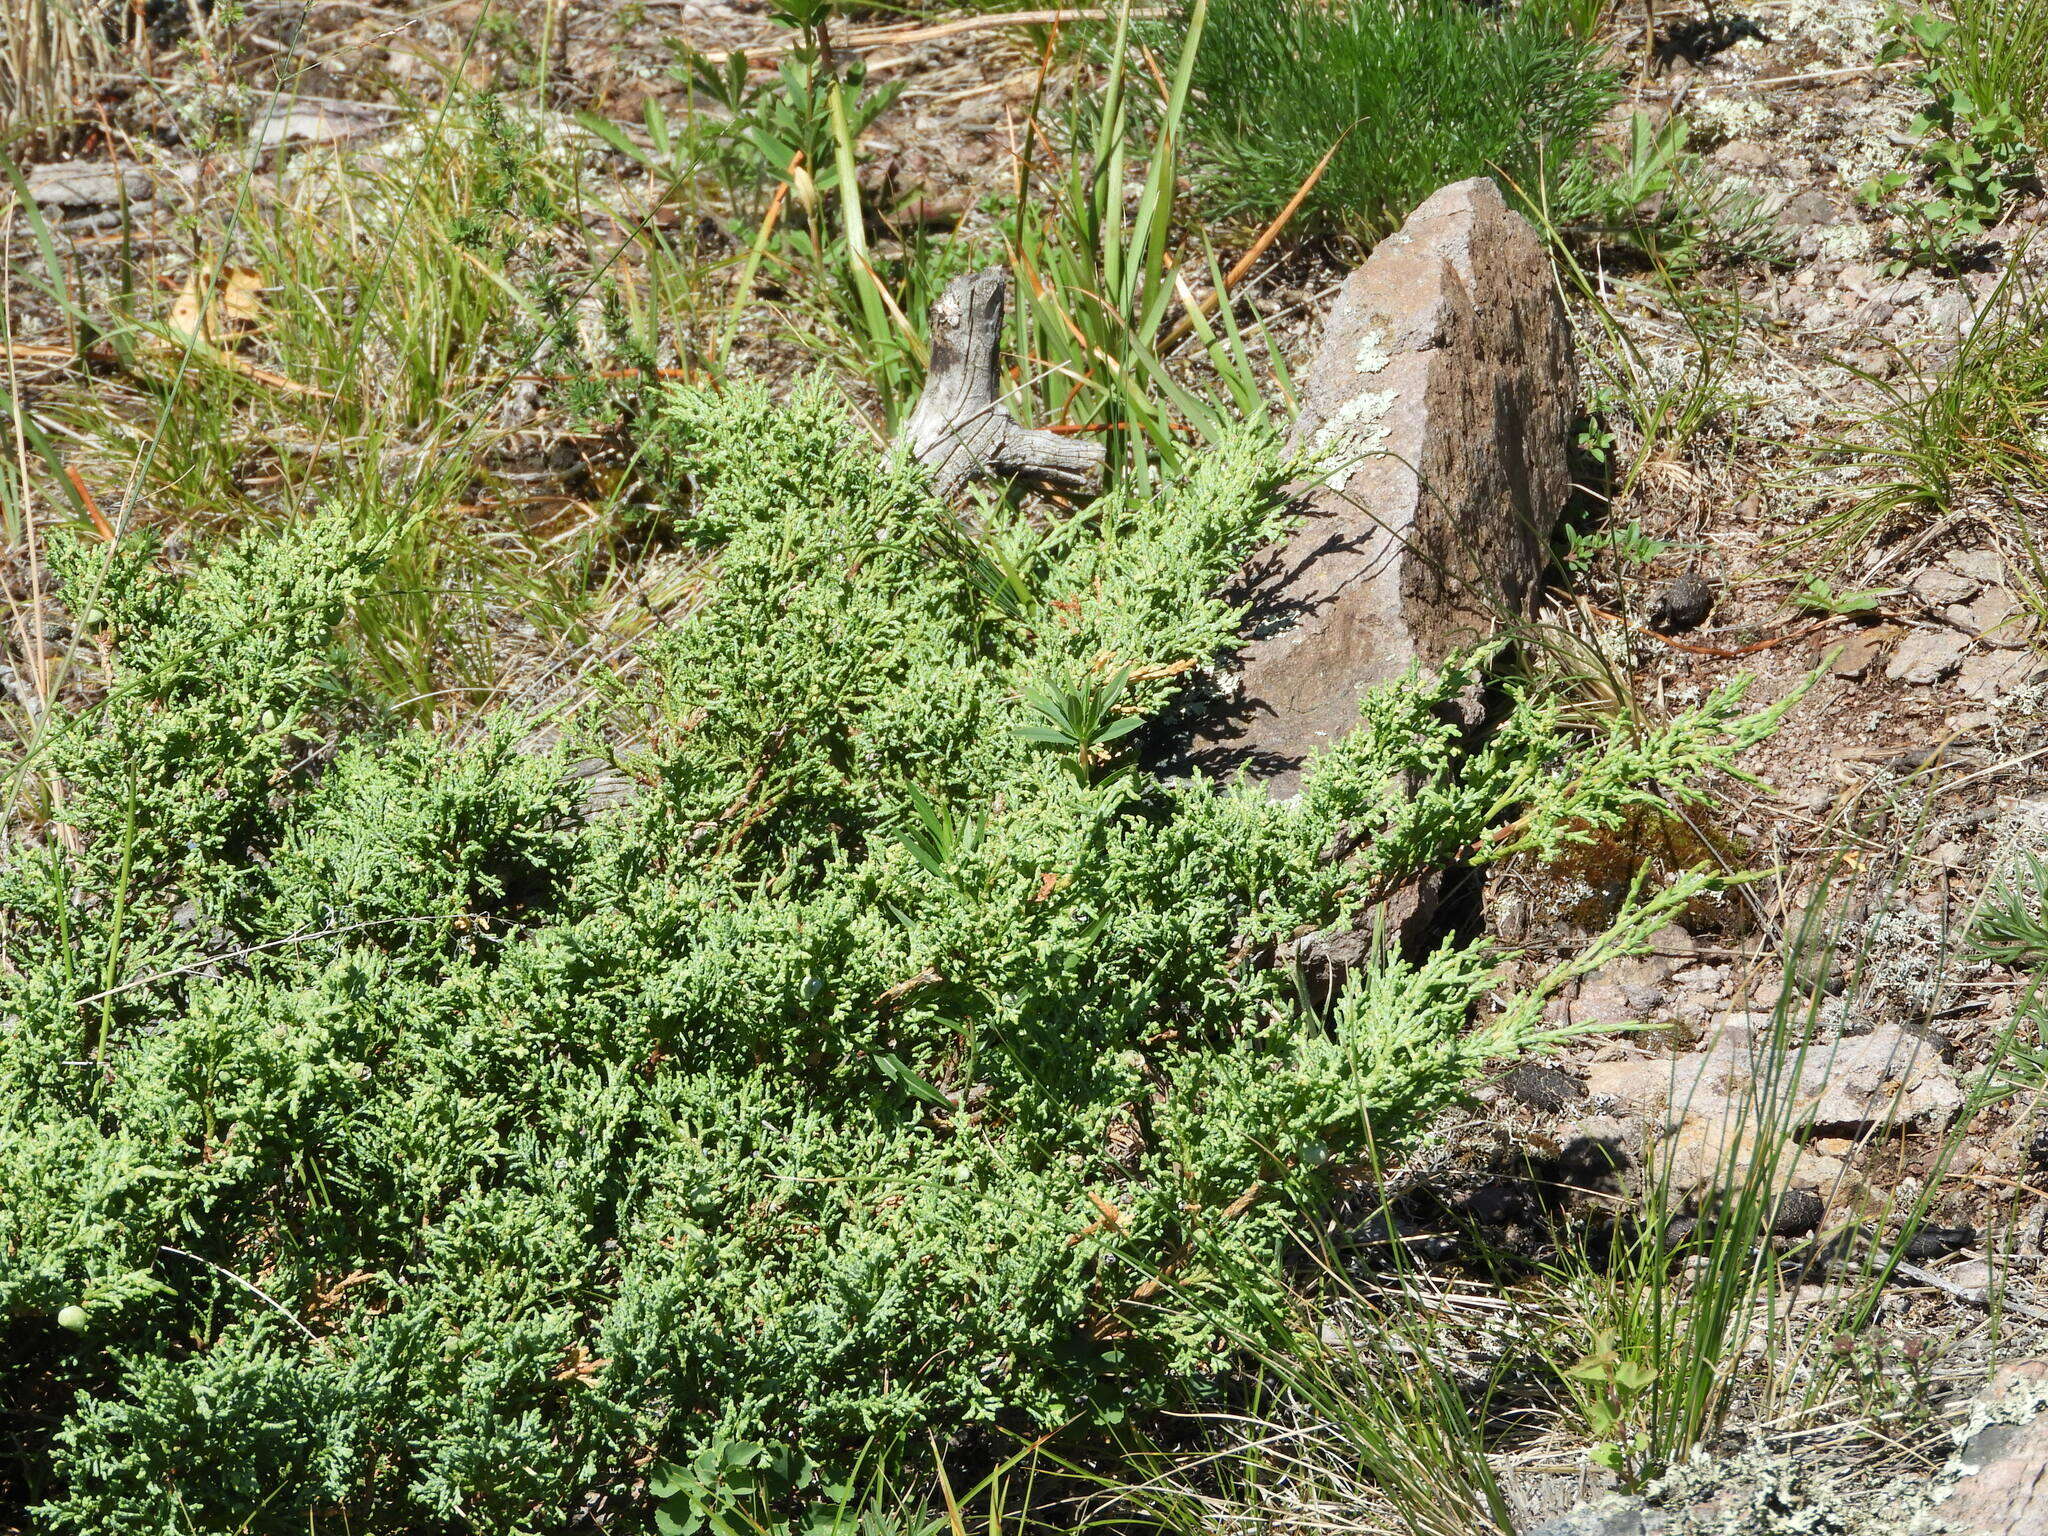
(1892, 803)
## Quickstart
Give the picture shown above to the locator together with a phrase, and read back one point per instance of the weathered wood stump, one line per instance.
(960, 429)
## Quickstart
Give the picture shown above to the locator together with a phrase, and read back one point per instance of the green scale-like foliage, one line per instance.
(428, 1154)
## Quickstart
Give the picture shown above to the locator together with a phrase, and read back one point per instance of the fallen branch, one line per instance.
(1768, 82)
(961, 431)
(1980, 1299)
(22, 352)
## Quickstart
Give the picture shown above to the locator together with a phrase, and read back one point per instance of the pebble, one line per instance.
(1987, 674)
(1927, 656)
(1542, 1087)
(86, 183)
(1938, 586)
(1995, 616)
(1985, 564)
(1743, 155)
(1863, 648)
(1799, 1212)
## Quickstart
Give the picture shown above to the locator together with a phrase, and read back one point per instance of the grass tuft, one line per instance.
(2001, 58)
(1410, 94)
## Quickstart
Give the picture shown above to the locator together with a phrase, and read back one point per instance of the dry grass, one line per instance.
(50, 50)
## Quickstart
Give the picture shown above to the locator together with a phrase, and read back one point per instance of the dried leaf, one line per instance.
(218, 306)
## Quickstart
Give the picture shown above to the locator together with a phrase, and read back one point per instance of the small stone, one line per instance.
(1985, 565)
(1990, 674)
(1938, 1242)
(1994, 616)
(1743, 155)
(1863, 648)
(1890, 1077)
(1807, 209)
(1599, 1000)
(87, 184)
(1974, 1276)
(1799, 1212)
(316, 120)
(1927, 656)
(1938, 586)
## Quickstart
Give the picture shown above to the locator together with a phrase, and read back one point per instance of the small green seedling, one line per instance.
(938, 836)
(1819, 596)
(1973, 158)
(2013, 927)
(1618, 1386)
(1630, 546)
(1080, 719)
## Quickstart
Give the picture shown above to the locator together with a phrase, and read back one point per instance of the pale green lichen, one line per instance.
(1730, 117)
(1759, 1491)
(2020, 1402)
(1373, 351)
(1353, 432)
(1846, 242)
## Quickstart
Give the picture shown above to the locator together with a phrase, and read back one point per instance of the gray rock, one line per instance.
(1996, 1484)
(1863, 648)
(1615, 1515)
(1743, 155)
(1990, 674)
(1806, 209)
(315, 120)
(87, 183)
(1438, 408)
(1402, 922)
(1743, 1098)
(1938, 586)
(1985, 565)
(1995, 617)
(1927, 656)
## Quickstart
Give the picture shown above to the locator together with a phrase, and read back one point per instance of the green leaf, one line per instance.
(905, 1078)
(1633, 1376)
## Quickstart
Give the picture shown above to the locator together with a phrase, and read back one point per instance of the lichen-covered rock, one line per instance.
(1615, 1515)
(1996, 1484)
(1927, 656)
(1437, 410)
